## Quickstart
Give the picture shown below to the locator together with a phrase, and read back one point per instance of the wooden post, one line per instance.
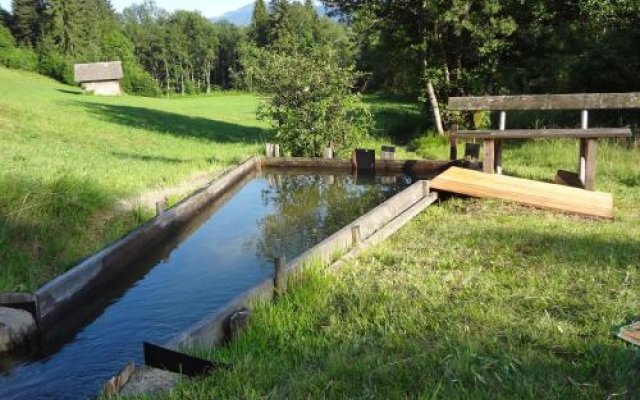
(591, 155)
(237, 322)
(388, 153)
(426, 189)
(161, 207)
(272, 150)
(356, 236)
(280, 276)
(453, 143)
(582, 160)
(488, 164)
(498, 150)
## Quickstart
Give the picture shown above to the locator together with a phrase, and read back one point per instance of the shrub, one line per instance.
(138, 81)
(311, 104)
(15, 57)
(19, 58)
(6, 38)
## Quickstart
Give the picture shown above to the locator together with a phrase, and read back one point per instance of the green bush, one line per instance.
(57, 67)
(312, 105)
(15, 57)
(137, 81)
(19, 58)
(6, 38)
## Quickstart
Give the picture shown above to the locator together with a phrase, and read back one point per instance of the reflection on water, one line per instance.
(309, 208)
(223, 252)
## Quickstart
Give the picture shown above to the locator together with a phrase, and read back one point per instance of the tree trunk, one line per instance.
(436, 109)
(425, 68)
(167, 76)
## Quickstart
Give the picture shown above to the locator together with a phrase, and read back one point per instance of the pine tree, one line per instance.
(259, 29)
(279, 20)
(64, 25)
(6, 20)
(25, 24)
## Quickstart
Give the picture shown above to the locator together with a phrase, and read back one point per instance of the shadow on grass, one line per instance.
(143, 157)
(178, 125)
(67, 91)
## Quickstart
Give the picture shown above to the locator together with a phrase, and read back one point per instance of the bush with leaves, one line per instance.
(311, 103)
(13, 56)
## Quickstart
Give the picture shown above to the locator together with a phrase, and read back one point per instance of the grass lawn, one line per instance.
(69, 159)
(474, 299)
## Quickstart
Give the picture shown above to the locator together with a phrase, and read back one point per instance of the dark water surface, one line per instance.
(223, 252)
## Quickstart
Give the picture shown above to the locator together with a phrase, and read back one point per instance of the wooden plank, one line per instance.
(583, 101)
(524, 191)
(488, 163)
(592, 133)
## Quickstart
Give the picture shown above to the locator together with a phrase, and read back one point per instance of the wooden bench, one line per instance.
(588, 136)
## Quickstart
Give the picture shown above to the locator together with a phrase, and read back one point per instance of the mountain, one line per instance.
(242, 16)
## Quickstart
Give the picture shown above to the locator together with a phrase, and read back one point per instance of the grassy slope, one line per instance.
(472, 300)
(66, 158)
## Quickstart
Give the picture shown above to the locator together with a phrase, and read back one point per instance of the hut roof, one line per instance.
(102, 71)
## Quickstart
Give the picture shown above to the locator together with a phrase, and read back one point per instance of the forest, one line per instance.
(455, 47)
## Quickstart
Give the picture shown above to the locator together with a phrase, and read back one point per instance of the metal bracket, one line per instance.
(169, 360)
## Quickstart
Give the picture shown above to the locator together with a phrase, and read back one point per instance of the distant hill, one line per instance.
(242, 16)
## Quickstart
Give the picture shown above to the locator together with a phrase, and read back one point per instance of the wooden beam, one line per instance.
(593, 101)
(545, 133)
(488, 164)
(591, 155)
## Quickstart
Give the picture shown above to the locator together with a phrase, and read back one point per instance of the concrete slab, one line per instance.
(16, 328)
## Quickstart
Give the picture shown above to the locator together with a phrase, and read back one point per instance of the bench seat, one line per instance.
(592, 133)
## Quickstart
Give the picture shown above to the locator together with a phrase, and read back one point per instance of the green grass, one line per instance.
(68, 160)
(472, 300)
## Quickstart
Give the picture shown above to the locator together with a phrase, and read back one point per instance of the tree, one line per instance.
(448, 38)
(312, 110)
(25, 21)
(6, 19)
(259, 28)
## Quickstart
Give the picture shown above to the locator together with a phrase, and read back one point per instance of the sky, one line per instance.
(209, 8)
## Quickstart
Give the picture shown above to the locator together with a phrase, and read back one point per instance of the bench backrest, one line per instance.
(584, 101)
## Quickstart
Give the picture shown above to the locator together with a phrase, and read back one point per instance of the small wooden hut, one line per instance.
(101, 78)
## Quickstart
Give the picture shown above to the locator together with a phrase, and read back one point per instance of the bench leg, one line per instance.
(591, 160)
(488, 165)
(453, 149)
(582, 160)
(498, 155)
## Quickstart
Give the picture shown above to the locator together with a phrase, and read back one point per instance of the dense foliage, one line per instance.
(465, 47)
(429, 49)
(313, 110)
